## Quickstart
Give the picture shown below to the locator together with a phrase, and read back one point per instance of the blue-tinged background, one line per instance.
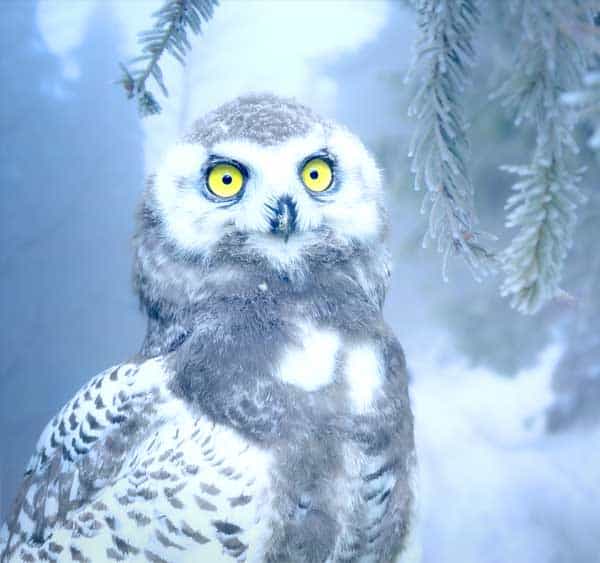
(496, 485)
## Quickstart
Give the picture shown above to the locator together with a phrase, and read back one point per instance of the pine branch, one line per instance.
(169, 34)
(439, 147)
(548, 62)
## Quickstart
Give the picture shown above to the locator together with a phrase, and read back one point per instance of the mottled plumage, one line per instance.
(267, 416)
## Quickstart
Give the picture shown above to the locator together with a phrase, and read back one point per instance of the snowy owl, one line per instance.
(266, 417)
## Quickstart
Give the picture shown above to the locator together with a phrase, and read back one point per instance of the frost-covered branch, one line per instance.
(439, 147)
(169, 34)
(548, 63)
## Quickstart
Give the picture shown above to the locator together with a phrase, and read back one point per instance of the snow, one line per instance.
(493, 486)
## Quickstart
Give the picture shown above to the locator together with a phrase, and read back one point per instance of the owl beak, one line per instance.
(283, 217)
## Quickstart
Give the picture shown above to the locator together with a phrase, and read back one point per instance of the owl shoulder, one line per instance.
(84, 446)
(114, 399)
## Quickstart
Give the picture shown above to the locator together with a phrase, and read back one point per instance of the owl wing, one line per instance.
(127, 472)
(82, 449)
(381, 465)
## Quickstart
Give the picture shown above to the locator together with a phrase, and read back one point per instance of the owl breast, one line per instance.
(320, 357)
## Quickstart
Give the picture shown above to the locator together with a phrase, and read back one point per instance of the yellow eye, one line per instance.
(317, 175)
(225, 180)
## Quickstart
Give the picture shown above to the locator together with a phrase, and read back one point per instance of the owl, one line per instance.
(266, 417)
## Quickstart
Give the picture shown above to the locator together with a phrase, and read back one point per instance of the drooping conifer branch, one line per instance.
(169, 35)
(548, 63)
(439, 148)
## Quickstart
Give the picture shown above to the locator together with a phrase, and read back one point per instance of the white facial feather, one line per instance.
(195, 223)
(357, 211)
(188, 216)
(283, 256)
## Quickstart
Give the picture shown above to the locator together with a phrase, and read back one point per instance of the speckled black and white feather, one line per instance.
(267, 416)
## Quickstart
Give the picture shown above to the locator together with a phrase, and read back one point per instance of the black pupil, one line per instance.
(227, 179)
(314, 174)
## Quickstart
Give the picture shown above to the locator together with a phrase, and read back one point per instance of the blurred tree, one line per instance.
(576, 379)
(71, 171)
(30, 77)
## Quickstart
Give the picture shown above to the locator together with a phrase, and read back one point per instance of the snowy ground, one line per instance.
(494, 487)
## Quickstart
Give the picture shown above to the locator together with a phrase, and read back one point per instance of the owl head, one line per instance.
(263, 184)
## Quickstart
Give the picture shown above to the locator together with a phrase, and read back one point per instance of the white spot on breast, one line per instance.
(311, 364)
(363, 375)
